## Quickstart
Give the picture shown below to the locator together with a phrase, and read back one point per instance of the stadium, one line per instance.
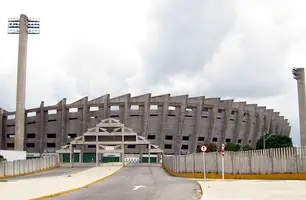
(177, 124)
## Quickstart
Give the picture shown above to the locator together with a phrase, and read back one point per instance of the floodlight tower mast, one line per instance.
(22, 26)
(299, 76)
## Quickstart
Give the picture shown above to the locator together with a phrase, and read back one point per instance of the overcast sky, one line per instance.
(233, 49)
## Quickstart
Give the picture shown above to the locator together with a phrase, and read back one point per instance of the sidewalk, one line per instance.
(253, 190)
(38, 187)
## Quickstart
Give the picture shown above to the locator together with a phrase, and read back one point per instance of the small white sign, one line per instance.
(111, 154)
(110, 148)
(33, 155)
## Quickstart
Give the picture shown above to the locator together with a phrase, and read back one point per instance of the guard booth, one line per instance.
(106, 143)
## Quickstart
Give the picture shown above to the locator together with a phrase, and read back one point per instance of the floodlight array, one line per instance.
(33, 26)
(296, 73)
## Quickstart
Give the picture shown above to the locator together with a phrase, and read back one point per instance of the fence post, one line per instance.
(185, 161)
(193, 161)
(178, 160)
(296, 159)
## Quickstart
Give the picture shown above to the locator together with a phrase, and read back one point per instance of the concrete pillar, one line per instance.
(180, 103)
(275, 116)
(71, 155)
(106, 106)
(146, 115)
(127, 109)
(302, 103)
(63, 118)
(259, 123)
(227, 104)
(1, 128)
(123, 158)
(149, 153)
(199, 101)
(97, 150)
(251, 123)
(239, 117)
(41, 128)
(213, 116)
(81, 154)
(84, 115)
(268, 120)
(164, 120)
(21, 84)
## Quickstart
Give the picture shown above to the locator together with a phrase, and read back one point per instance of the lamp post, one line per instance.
(264, 139)
(299, 76)
(22, 26)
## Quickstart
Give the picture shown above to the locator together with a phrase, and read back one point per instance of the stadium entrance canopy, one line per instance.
(109, 136)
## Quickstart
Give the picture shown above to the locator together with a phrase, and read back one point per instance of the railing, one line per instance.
(268, 161)
(22, 167)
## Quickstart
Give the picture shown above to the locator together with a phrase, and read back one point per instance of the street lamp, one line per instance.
(264, 139)
(299, 76)
(21, 26)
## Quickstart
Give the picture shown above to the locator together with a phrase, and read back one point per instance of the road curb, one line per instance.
(215, 176)
(74, 189)
(202, 191)
(28, 173)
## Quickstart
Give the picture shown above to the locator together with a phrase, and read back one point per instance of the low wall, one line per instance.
(282, 163)
(23, 167)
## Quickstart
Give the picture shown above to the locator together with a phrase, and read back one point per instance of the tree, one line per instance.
(211, 147)
(247, 148)
(274, 141)
(2, 159)
(232, 147)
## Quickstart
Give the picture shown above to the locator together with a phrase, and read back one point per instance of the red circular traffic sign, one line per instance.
(203, 148)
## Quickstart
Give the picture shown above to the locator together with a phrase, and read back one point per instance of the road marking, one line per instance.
(138, 186)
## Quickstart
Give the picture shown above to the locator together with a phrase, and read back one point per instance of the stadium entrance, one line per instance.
(110, 142)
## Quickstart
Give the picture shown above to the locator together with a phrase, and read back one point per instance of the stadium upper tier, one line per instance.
(175, 123)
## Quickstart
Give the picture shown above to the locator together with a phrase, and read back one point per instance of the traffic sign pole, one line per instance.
(204, 170)
(222, 160)
(204, 149)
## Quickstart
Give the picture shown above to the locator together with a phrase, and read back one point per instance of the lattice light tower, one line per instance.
(299, 76)
(22, 26)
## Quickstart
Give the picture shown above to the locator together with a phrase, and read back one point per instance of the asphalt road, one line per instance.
(63, 170)
(154, 184)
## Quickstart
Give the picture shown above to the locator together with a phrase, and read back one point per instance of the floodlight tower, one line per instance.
(22, 26)
(299, 75)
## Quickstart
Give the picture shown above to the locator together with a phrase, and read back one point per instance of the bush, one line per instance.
(211, 147)
(232, 147)
(247, 148)
(2, 159)
(274, 141)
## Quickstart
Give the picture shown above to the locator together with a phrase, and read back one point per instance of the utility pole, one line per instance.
(264, 139)
(22, 26)
(299, 76)
(263, 136)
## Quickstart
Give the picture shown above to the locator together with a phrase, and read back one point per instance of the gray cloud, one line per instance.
(238, 49)
(95, 72)
(184, 36)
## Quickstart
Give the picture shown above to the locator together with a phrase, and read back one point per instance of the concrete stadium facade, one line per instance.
(177, 124)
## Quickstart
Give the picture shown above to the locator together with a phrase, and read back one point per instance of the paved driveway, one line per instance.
(139, 182)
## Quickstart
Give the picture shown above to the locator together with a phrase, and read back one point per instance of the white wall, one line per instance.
(280, 160)
(13, 155)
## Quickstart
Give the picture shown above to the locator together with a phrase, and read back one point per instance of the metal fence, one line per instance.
(20, 167)
(269, 161)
